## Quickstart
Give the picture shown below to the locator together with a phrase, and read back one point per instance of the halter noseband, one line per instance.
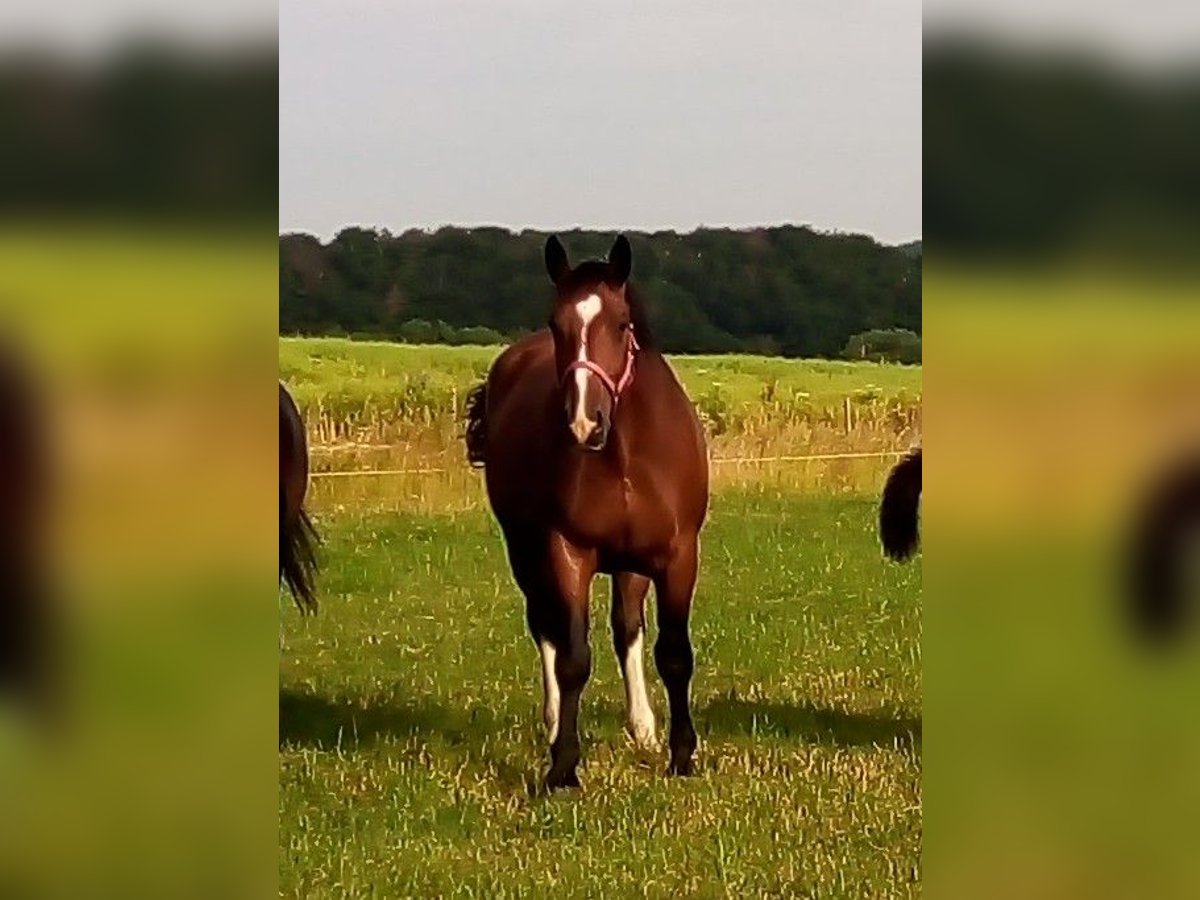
(616, 388)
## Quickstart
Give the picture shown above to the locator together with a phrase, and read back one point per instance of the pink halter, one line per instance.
(614, 388)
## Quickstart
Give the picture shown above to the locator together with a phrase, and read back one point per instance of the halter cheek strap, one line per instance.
(614, 388)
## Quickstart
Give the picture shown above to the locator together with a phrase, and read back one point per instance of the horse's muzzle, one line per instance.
(594, 438)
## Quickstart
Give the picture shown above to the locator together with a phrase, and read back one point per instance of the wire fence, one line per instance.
(716, 461)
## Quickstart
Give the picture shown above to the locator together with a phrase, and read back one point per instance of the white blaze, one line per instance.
(550, 683)
(641, 717)
(587, 309)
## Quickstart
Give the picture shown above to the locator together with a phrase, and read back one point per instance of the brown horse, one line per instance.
(898, 510)
(595, 462)
(297, 537)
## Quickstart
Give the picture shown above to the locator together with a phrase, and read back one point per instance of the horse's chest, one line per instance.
(620, 516)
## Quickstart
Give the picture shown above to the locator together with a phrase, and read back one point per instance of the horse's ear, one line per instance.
(556, 259)
(620, 259)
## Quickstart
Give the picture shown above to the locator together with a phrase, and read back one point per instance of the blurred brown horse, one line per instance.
(297, 537)
(595, 462)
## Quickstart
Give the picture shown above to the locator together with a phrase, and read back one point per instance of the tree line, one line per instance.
(148, 133)
(785, 290)
(1035, 156)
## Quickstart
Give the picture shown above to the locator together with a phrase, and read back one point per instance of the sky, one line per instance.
(551, 115)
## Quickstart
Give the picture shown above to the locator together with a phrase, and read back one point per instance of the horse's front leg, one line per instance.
(629, 630)
(568, 654)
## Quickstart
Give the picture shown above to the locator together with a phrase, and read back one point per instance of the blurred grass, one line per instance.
(137, 304)
(154, 348)
(410, 737)
(1064, 763)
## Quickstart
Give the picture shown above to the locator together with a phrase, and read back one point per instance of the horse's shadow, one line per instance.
(342, 724)
(310, 720)
(736, 717)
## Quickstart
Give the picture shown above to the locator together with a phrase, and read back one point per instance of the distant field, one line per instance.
(346, 375)
(412, 397)
(410, 744)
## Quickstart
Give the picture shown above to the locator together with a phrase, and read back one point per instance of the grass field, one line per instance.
(411, 751)
(410, 745)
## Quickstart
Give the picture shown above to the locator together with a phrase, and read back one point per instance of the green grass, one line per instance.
(410, 739)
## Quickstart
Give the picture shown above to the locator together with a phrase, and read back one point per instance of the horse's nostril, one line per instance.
(597, 436)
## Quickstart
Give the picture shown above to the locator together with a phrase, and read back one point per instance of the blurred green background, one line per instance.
(1062, 334)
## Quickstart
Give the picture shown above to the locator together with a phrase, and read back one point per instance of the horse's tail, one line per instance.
(298, 558)
(476, 434)
(898, 529)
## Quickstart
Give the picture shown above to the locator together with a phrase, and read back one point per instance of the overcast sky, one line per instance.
(665, 114)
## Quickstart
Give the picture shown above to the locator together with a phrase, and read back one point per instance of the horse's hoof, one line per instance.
(682, 766)
(564, 779)
(644, 740)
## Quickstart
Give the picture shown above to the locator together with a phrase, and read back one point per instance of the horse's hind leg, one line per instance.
(673, 589)
(629, 630)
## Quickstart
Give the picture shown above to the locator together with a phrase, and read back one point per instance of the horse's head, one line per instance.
(594, 343)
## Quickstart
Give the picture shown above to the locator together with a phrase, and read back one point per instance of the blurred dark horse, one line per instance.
(898, 510)
(297, 537)
(595, 462)
(26, 644)
(1162, 565)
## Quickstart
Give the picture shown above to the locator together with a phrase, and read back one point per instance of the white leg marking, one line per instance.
(550, 683)
(641, 717)
(587, 309)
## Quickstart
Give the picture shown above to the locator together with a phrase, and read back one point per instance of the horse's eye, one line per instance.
(624, 326)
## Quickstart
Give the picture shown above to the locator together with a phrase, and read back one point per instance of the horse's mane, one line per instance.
(641, 324)
(594, 271)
